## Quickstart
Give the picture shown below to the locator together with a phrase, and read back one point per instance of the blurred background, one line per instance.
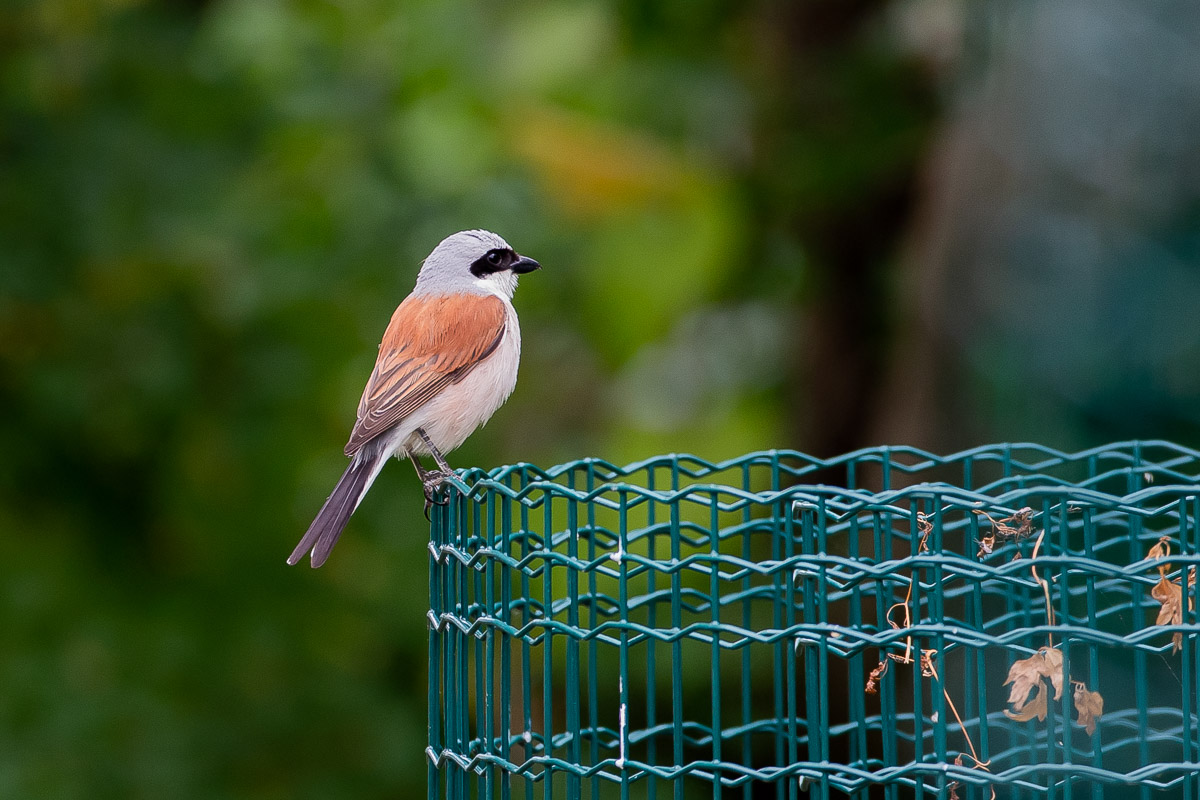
(813, 225)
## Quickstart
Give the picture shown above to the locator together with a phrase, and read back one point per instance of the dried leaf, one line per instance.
(1052, 668)
(1089, 705)
(953, 787)
(1161, 549)
(1027, 673)
(1168, 593)
(1036, 708)
(875, 676)
(1023, 675)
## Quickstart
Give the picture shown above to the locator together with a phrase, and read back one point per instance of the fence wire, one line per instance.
(890, 623)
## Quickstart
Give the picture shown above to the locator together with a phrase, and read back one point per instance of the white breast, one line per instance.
(455, 413)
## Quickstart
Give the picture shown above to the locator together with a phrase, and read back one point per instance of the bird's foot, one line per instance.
(432, 483)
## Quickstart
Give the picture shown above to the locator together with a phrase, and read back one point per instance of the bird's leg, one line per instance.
(431, 480)
(422, 473)
(433, 451)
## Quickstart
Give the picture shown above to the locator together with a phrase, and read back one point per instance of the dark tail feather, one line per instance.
(324, 531)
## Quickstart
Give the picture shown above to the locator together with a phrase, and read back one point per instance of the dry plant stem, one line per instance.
(907, 624)
(1016, 526)
(926, 656)
(954, 711)
(925, 527)
(1045, 587)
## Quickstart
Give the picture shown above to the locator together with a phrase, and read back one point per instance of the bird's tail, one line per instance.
(324, 531)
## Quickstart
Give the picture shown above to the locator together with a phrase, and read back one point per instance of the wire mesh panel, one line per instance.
(1009, 620)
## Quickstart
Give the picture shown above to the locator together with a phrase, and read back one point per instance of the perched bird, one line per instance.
(448, 360)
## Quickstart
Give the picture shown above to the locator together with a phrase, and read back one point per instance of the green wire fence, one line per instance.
(1009, 619)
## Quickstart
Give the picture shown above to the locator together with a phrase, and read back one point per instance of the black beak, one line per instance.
(524, 265)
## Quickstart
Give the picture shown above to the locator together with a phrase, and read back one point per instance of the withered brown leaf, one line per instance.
(986, 545)
(1052, 668)
(953, 787)
(1168, 593)
(875, 676)
(1023, 675)
(1089, 705)
(1027, 673)
(1161, 549)
(1035, 708)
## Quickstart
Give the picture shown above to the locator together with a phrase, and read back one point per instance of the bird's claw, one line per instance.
(432, 483)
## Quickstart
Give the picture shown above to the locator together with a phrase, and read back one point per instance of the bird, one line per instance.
(447, 361)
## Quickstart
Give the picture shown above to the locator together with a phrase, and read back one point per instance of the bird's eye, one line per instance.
(495, 258)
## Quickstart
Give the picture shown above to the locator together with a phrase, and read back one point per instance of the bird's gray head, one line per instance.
(472, 261)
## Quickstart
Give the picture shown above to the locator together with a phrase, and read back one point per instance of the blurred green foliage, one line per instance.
(207, 214)
(208, 211)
